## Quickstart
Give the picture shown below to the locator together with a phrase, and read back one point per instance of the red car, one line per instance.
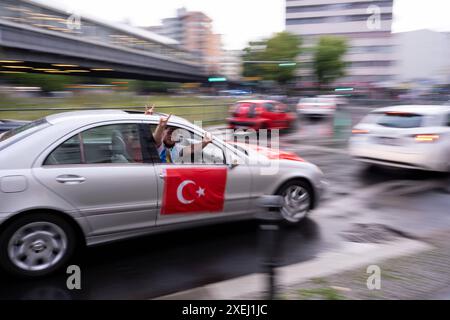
(260, 114)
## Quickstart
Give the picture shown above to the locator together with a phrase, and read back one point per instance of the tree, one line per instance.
(254, 52)
(328, 59)
(285, 47)
(282, 47)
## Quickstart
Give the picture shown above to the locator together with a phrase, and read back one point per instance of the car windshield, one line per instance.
(24, 130)
(400, 120)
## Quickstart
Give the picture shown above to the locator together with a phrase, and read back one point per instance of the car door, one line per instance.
(105, 172)
(214, 157)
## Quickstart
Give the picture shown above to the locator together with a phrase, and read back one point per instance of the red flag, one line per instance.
(194, 190)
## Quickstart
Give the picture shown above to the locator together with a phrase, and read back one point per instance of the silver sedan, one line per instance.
(90, 177)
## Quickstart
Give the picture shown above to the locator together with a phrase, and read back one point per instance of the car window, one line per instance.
(270, 107)
(25, 129)
(119, 143)
(400, 120)
(372, 117)
(189, 144)
(67, 153)
(281, 108)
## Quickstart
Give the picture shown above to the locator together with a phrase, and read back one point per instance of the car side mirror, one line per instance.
(234, 163)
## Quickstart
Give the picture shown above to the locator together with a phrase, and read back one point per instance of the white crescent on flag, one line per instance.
(180, 192)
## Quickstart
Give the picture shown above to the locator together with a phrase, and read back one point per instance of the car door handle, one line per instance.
(70, 179)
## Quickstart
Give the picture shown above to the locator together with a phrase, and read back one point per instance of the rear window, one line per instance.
(400, 120)
(21, 132)
(243, 105)
(245, 108)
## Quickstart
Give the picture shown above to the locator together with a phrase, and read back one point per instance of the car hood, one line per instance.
(269, 153)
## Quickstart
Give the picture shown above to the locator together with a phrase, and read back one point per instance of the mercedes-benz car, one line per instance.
(90, 177)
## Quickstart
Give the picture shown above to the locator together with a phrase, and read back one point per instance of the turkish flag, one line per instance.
(194, 190)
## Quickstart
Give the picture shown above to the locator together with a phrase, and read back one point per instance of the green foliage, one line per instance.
(47, 82)
(144, 87)
(328, 59)
(283, 47)
(253, 69)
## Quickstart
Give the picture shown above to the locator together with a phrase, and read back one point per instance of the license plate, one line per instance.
(388, 141)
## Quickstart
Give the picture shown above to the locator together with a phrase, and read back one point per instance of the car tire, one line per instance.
(36, 245)
(297, 194)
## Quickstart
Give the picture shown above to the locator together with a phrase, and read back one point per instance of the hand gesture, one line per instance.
(207, 138)
(149, 110)
(163, 120)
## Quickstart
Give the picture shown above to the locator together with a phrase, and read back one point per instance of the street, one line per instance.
(409, 203)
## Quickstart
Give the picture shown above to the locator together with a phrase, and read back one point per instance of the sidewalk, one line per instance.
(320, 278)
(421, 275)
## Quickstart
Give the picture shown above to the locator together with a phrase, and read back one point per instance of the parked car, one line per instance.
(91, 177)
(6, 125)
(416, 136)
(260, 114)
(316, 106)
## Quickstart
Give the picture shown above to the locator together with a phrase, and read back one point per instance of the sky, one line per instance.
(240, 21)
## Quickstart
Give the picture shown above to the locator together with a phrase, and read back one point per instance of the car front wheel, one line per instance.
(297, 201)
(36, 245)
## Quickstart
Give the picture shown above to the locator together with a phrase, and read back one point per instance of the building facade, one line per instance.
(231, 66)
(193, 30)
(423, 56)
(366, 24)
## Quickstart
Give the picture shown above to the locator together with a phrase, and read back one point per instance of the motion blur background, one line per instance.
(89, 54)
(197, 58)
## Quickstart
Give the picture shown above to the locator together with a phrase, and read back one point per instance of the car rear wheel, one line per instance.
(36, 245)
(297, 201)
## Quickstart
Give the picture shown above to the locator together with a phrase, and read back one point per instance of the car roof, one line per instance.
(257, 101)
(108, 114)
(421, 109)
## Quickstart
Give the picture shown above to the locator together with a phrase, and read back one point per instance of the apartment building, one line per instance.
(366, 24)
(193, 30)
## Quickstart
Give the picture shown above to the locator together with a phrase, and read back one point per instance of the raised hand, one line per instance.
(207, 138)
(163, 120)
(149, 109)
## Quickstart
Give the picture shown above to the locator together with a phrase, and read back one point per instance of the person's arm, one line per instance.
(159, 131)
(207, 139)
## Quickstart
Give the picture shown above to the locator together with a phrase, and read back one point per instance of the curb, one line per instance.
(350, 256)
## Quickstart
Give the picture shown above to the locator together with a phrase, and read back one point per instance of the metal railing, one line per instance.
(207, 113)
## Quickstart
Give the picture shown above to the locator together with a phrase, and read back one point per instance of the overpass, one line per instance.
(36, 38)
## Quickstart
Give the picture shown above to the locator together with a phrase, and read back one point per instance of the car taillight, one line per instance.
(359, 131)
(426, 137)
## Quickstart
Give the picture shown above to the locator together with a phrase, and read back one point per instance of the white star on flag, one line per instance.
(200, 192)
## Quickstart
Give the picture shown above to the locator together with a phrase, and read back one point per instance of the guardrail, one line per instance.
(207, 113)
